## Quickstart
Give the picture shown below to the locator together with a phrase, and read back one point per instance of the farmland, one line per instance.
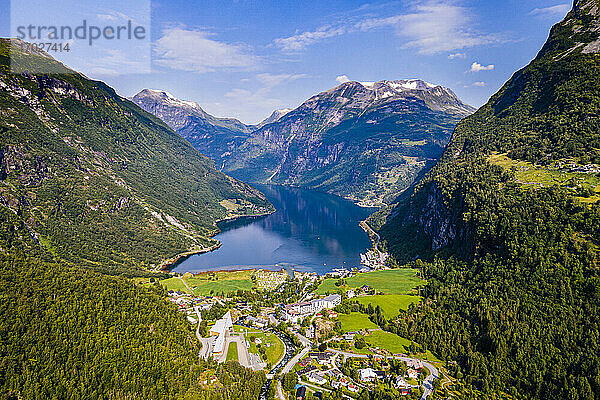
(211, 282)
(394, 281)
(390, 303)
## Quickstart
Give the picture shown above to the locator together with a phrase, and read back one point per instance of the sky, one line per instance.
(246, 58)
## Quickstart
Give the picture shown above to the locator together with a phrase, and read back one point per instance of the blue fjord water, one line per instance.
(310, 231)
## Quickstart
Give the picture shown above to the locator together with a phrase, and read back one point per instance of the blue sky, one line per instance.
(246, 58)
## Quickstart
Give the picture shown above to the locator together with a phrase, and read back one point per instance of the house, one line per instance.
(412, 373)
(304, 362)
(301, 392)
(349, 336)
(306, 370)
(353, 388)
(320, 357)
(344, 381)
(415, 364)
(317, 378)
(350, 294)
(401, 383)
(380, 374)
(334, 372)
(367, 375)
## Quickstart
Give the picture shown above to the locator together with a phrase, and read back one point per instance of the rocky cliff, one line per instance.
(365, 141)
(212, 136)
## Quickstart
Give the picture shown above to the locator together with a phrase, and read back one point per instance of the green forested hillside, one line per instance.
(89, 182)
(68, 333)
(97, 180)
(513, 288)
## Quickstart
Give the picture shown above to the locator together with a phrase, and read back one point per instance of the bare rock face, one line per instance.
(31, 170)
(212, 136)
(366, 141)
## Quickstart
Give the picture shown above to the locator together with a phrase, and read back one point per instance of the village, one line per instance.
(288, 326)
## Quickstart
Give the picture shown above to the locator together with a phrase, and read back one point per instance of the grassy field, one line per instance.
(355, 321)
(528, 174)
(389, 303)
(394, 281)
(232, 352)
(212, 283)
(394, 344)
(273, 353)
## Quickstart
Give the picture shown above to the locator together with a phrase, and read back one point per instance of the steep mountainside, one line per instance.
(511, 211)
(274, 117)
(363, 141)
(212, 136)
(94, 179)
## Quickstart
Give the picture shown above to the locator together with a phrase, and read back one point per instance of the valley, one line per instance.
(367, 142)
(382, 240)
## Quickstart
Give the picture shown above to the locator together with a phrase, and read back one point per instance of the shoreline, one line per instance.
(171, 263)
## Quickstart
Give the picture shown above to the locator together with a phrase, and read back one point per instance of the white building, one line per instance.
(220, 330)
(401, 383)
(367, 375)
(333, 301)
(317, 378)
(298, 311)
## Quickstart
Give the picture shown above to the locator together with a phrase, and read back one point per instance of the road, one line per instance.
(427, 383)
(290, 364)
(288, 367)
(370, 231)
(186, 285)
(206, 343)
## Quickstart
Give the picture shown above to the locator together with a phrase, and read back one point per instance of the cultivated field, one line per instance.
(211, 283)
(355, 321)
(394, 281)
(390, 303)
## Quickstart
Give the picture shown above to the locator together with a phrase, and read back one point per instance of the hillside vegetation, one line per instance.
(90, 183)
(513, 289)
(98, 181)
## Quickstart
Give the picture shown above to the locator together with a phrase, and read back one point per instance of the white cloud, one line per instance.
(479, 84)
(271, 80)
(432, 27)
(254, 104)
(342, 79)
(554, 11)
(476, 67)
(457, 55)
(114, 62)
(191, 50)
(301, 40)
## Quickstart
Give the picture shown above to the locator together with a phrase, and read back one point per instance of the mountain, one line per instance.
(274, 117)
(363, 141)
(506, 227)
(91, 178)
(212, 136)
(91, 183)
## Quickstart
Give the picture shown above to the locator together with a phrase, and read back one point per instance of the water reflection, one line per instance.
(311, 231)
